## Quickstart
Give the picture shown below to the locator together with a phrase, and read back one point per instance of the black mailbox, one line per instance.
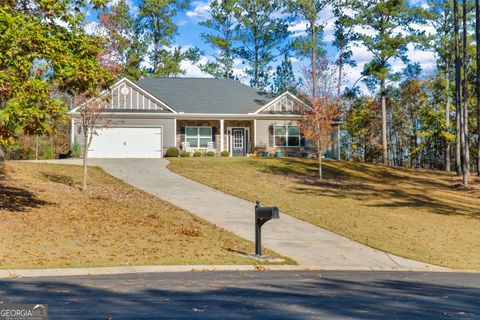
(262, 215)
(266, 212)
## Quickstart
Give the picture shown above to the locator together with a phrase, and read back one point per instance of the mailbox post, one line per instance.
(262, 215)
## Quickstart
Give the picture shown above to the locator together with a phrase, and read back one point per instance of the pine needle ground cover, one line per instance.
(417, 214)
(47, 221)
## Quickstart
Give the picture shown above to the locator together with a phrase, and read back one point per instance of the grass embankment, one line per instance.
(47, 221)
(417, 214)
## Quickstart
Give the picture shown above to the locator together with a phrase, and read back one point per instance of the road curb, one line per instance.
(61, 272)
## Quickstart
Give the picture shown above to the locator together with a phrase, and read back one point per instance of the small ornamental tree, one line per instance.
(316, 125)
(91, 118)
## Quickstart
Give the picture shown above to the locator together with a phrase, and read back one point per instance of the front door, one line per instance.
(238, 142)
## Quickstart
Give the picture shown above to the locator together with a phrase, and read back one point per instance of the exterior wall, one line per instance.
(215, 124)
(285, 105)
(264, 140)
(133, 100)
(167, 124)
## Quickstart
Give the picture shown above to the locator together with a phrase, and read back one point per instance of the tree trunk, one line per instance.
(447, 91)
(384, 124)
(156, 45)
(320, 175)
(85, 164)
(36, 147)
(2, 154)
(314, 60)
(477, 34)
(466, 146)
(340, 70)
(458, 93)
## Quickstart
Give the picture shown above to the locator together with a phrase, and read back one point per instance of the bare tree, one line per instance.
(92, 118)
(324, 82)
(316, 125)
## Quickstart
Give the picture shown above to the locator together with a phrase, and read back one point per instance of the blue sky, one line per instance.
(189, 36)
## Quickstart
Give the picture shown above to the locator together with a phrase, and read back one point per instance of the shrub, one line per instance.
(197, 154)
(172, 152)
(211, 154)
(76, 149)
(49, 152)
(185, 154)
(225, 153)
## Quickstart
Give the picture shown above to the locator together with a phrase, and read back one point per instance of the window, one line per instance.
(287, 136)
(198, 137)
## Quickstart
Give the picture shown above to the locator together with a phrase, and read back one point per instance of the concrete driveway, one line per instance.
(294, 238)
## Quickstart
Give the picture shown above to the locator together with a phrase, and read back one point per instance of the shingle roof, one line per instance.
(205, 95)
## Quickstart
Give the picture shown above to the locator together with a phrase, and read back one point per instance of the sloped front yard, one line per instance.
(416, 214)
(47, 221)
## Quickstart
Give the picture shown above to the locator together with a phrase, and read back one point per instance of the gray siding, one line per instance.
(134, 100)
(285, 105)
(264, 136)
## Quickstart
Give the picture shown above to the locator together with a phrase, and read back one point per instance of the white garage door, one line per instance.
(127, 143)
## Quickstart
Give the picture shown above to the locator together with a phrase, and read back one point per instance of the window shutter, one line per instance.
(302, 141)
(270, 136)
(214, 133)
(182, 135)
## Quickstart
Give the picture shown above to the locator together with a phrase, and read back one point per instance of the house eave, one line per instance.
(200, 116)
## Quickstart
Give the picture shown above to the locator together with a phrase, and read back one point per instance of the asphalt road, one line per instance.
(259, 294)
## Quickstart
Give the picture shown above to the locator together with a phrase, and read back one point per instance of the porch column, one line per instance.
(222, 135)
(254, 133)
(339, 151)
(175, 132)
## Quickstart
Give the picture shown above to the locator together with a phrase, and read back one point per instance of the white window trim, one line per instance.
(199, 136)
(287, 136)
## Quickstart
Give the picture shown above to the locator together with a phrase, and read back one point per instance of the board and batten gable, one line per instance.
(126, 97)
(284, 104)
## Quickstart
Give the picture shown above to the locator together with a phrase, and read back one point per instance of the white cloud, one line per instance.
(200, 11)
(298, 28)
(91, 27)
(133, 8)
(192, 70)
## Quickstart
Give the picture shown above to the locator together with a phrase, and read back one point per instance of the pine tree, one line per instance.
(311, 44)
(222, 23)
(461, 167)
(464, 104)
(284, 78)
(124, 46)
(156, 18)
(390, 22)
(440, 17)
(261, 33)
(344, 36)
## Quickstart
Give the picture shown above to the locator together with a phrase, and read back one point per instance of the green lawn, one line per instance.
(416, 214)
(47, 221)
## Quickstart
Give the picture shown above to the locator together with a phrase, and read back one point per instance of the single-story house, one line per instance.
(153, 114)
